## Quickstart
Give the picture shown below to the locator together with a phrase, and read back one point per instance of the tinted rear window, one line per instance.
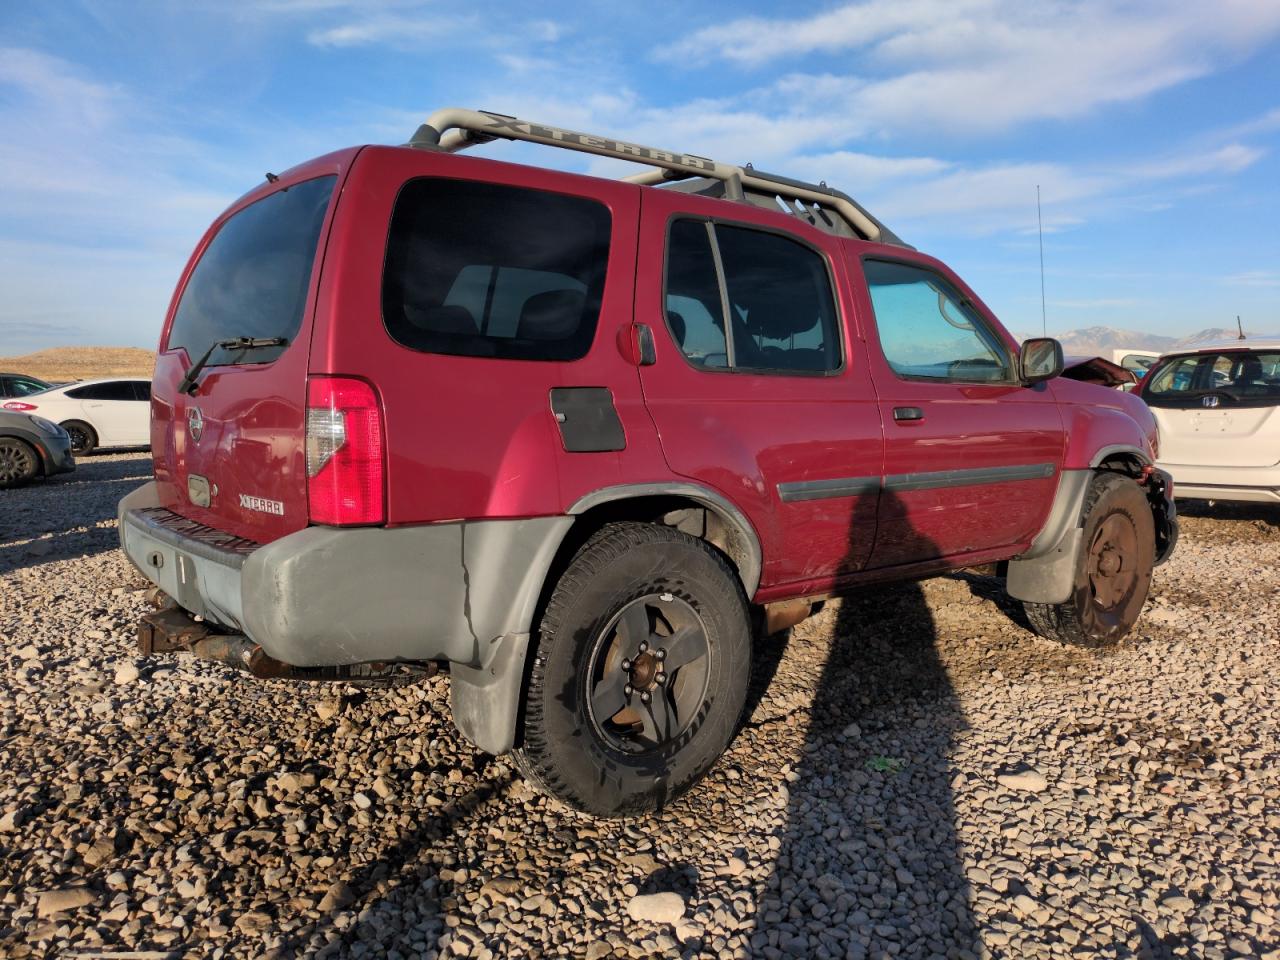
(253, 277)
(1235, 377)
(21, 387)
(115, 390)
(487, 270)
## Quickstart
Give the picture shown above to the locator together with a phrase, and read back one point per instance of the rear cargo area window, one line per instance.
(252, 279)
(1236, 378)
(488, 270)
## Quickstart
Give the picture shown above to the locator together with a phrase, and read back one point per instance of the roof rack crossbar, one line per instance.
(453, 129)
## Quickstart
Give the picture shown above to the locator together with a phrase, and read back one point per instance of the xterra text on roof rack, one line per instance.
(579, 440)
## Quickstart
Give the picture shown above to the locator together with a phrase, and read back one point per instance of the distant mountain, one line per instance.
(1100, 341)
(1215, 333)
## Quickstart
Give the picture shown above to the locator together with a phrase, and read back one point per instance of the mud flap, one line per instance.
(1165, 513)
(1048, 578)
(486, 701)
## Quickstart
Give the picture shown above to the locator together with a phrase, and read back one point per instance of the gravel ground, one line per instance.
(919, 777)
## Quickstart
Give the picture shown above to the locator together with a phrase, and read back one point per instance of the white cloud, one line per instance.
(1231, 158)
(40, 79)
(754, 40)
(976, 66)
(1266, 123)
(387, 28)
(1254, 278)
(775, 129)
(854, 170)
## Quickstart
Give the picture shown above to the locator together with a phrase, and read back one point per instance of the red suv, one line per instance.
(579, 440)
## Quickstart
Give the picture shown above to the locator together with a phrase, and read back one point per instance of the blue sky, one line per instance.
(1151, 126)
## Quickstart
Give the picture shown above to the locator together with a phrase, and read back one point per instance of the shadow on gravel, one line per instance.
(403, 871)
(991, 588)
(70, 507)
(869, 864)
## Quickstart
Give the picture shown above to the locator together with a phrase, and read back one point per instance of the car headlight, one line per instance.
(47, 427)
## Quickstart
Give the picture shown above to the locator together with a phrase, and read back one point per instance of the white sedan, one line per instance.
(97, 413)
(1218, 407)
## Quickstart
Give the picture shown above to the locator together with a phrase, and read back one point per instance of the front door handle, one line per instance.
(908, 413)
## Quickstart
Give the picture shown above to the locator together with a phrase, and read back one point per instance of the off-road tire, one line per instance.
(1113, 504)
(84, 439)
(18, 463)
(562, 752)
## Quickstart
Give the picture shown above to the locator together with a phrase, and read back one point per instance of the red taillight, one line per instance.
(19, 405)
(345, 452)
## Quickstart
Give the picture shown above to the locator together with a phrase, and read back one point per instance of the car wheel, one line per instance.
(1113, 569)
(640, 673)
(83, 437)
(18, 463)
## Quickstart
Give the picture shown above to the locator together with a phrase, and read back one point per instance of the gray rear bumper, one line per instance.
(462, 592)
(325, 596)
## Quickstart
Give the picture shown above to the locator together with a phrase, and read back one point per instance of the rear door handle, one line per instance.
(908, 413)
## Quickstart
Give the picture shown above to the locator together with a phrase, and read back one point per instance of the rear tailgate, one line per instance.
(1222, 437)
(230, 453)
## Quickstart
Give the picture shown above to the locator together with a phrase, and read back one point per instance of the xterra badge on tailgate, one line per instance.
(262, 504)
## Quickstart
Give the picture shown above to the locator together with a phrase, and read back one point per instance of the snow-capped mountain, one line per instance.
(1100, 341)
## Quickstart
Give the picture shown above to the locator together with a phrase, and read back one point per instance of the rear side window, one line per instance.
(116, 390)
(1234, 378)
(253, 277)
(489, 270)
(928, 330)
(782, 314)
(21, 387)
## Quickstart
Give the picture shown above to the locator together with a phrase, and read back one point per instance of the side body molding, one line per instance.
(746, 544)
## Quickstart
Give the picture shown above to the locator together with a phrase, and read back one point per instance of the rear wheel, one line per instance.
(640, 674)
(1113, 570)
(18, 463)
(83, 437)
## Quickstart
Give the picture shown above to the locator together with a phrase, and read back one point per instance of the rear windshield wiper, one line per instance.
(188, 383)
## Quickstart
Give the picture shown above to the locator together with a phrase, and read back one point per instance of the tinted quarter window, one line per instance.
(781, 309)
(252, 279)
(928, 330)
(488, 270)
(141, 390)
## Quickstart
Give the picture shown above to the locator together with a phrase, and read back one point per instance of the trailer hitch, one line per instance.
(172, 630)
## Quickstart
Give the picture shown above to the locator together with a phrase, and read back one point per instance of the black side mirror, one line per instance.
(1040, 359)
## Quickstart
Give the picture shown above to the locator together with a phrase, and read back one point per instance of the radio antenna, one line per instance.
(1240, 327)
(1044, 318)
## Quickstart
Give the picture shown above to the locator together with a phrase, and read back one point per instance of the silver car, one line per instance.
(31, 447)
